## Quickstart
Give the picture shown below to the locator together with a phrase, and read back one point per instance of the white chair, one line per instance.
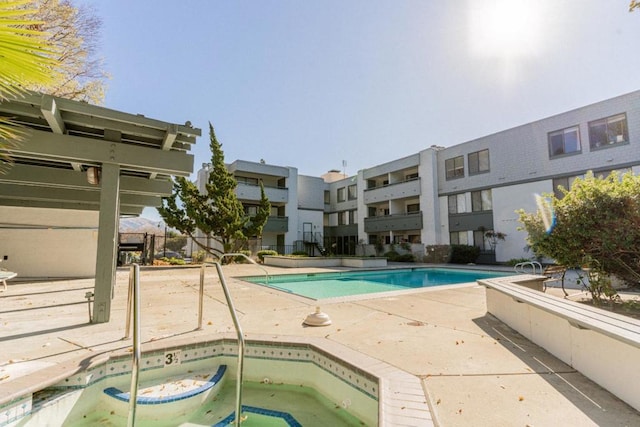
(6, 275)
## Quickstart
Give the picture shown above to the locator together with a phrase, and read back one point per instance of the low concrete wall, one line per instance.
(603, 346)
(319, 262)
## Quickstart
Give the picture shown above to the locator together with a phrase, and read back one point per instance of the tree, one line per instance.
(597, 225)
(26, 59)
(74, 32)
(217, 212)
(634, 4)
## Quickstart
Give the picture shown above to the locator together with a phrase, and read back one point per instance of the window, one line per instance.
(458, 238)
(341, 194)
(327, 197)
(372, 211)
(454, 167)
(414, 238)
(251, 210)
(343, 218)
(609, 131)
(481, 201)
(247, 180)
(411, 176)
(353, 217)
(564, 141)
(371, 183)
(352, 191)
(413, 208)
(478, 239)
(602, 174)
(457, 203)
(478, 162)
(564, 182)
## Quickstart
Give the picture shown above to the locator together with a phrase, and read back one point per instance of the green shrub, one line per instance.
(173, 261)
(464, 254)
(261, 254)
(240, 259)
(392, 256)
(199, 256)
(299, 253)
(514, 261)
(406, 258)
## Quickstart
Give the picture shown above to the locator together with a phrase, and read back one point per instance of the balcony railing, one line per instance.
(397, 222)
(276, 224)
(398, 190)
(252, 192)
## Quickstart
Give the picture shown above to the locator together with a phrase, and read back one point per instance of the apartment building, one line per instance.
(449, 195)
(297, 206)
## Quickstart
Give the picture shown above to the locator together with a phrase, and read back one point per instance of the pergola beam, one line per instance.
(66, 148)
(48, 194)
(63, 178)
(80, 206)
(52, 115)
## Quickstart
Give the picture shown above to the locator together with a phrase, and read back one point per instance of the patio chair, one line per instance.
(555, 273)
(6, 275)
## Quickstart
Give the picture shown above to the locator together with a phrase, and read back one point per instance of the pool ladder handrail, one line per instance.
(133, 307)
(236, 323)
(520, 267)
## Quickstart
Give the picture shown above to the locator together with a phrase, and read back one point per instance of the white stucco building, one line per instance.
(448, 195)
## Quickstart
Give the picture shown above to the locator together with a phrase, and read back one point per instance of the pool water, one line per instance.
(294, 406)
(348, 283)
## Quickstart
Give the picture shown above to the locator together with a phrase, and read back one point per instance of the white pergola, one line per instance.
(74, 155)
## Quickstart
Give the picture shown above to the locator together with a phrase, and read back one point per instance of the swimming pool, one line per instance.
(348, 283)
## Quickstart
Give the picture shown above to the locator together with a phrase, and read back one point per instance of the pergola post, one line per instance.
(106, 257)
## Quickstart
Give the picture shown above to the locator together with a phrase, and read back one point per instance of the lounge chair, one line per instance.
(6, 275)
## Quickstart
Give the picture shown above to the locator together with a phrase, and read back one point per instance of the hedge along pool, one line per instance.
(350, 283)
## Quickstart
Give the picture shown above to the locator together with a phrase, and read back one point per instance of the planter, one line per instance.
(322, 262)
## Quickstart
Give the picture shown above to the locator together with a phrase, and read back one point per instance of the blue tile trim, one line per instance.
(287, 417)
(123, 396)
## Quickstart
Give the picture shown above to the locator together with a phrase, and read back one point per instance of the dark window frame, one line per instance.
(602, 138)
(562, 134)
(473, 160)
(454, 167)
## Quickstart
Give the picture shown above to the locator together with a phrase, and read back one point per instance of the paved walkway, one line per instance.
(475, 371)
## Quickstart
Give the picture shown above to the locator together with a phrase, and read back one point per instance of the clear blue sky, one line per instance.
(312, 83)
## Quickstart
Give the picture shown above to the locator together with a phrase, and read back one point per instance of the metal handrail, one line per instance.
(520, 267)
(133, 305)
(201, 290)
(236, 324)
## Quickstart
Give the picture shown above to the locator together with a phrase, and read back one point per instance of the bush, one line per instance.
(392, 255)
(240, 259)
(261, 254)
(299, 253)
(173, 261)
(199, 256)
(595, 224)
(514, 261)
(464, 254)
(406, 258)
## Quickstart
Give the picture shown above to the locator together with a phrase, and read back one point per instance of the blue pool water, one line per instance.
(340, 284)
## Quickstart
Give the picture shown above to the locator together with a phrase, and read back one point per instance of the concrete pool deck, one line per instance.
(474, 370)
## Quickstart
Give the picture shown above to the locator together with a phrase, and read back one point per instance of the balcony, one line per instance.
(399, 190)
(252, 192)
(399, 222)
(276, 224)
